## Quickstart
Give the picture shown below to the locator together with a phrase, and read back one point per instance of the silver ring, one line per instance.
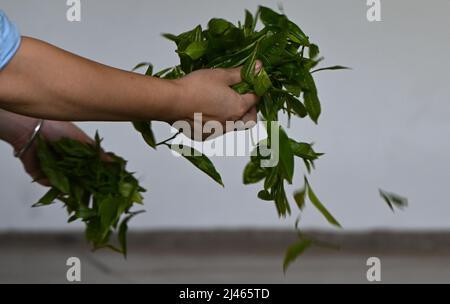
(33, 136)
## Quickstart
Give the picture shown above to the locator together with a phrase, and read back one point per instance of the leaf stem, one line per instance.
(169, 139)
(289, 111)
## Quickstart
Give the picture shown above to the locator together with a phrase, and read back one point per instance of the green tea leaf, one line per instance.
(272, 49)
(394, 200)
(242, 88)
(145, 128)
(318, 204)
(248, 70)
(253, 173)
(312, 105)
(123, 230)
(217, 26)
(141, 65)
(286, 156)
(262, 83)
(332, 68)
(304, 150)
(299, 197)
(294, 89)
(49, 167)
(249, 24)
(108, 212)
(294, 251)
(270, 18)
(272, 178)
(162, 72)
(297, 35)
(265, 195)
(297, 106)
(85, 213)
(148, 72)
(199, 160)
(196, 49)
(171, 37)
(313, 51)
(49, 198)
(281, 201)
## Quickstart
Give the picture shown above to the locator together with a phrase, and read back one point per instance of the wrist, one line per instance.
(16, 129)
(20, 151)
(171, 103)
(182, 100)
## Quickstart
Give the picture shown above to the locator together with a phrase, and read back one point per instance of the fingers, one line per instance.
(233, 76)
(247, 121)
(38, 176)
(44, 182)
(248, 101)
(106, 157)
(250, 118)
(258, 66)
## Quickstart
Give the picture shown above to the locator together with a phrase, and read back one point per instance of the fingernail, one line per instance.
(258, 66)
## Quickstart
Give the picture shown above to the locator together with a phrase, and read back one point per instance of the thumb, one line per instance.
(233, 76)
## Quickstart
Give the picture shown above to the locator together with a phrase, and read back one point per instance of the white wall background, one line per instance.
(385, 123)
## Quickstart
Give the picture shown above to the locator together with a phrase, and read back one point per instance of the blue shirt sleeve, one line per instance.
(9, 40)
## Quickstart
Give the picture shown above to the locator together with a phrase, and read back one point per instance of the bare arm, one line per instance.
(16, 130)
(47, 82)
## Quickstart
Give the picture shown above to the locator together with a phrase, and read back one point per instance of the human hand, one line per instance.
(208, 92)
(51, 131)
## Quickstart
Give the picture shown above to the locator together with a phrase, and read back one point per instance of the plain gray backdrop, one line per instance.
(385, 123)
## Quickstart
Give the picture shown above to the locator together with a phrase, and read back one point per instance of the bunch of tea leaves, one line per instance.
(93, 186)
(285, 85)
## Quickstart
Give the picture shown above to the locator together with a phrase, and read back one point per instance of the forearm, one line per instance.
(15, 128)
(47, 82)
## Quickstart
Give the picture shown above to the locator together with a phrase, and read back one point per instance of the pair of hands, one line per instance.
(205, 91)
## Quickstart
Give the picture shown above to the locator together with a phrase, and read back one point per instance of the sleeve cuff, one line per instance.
(9, 40)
